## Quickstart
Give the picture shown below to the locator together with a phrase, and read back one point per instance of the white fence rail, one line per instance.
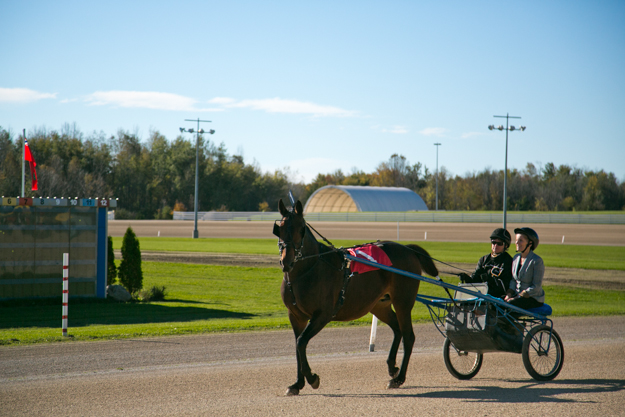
(425, 217)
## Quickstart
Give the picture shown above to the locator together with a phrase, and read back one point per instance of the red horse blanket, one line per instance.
(371, 253)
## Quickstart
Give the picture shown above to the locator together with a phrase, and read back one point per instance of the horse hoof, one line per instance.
(292, 391)
(394, 372)
(315, 383)
(394, 383)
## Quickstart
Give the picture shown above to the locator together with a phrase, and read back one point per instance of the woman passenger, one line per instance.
(528, 269)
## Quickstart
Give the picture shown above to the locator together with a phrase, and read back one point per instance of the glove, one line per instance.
(464, 278)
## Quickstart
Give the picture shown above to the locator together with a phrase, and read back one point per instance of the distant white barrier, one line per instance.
(419, 216)
(65, 293)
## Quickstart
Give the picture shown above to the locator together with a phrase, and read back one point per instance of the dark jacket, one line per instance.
(497, 272)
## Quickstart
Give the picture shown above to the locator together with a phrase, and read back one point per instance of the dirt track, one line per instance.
(574, 234)
(246, 374)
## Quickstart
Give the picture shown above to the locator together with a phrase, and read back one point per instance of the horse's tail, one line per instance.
(426, 260)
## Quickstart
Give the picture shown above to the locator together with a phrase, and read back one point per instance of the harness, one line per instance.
(288, 242)
(284, 244)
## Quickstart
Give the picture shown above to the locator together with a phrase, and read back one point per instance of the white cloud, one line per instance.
(434, 131)
(470, 135)
(400, 130)
(144, 99)
(22, 95)
(222, 100)
(306, 170)
(278, 105)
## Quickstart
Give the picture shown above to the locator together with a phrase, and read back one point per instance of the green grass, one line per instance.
(207, 298)
(563, 256)
(612, 212)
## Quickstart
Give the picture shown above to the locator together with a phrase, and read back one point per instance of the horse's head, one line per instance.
(291, 231)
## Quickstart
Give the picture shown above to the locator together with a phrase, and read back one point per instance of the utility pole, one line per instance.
(197, 156)
(437, 145)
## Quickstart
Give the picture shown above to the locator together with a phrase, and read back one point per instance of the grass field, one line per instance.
(207, 298)
(563, 256)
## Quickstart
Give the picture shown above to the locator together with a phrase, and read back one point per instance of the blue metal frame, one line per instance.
(440, 283)
(436, 305)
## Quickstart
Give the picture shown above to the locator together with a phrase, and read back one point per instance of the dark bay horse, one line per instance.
(314, 279)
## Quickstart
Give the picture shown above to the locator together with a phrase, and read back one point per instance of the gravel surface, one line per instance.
(573, 234)
(245, 374)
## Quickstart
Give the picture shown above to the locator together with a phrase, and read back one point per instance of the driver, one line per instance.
(496, 267)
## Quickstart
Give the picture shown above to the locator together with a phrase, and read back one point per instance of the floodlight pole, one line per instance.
(437, 145)
(197, 164)
(23, 162)
(505, 174)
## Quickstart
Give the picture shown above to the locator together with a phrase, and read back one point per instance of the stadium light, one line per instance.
(505, 175)
(197, 157)
(437, 145)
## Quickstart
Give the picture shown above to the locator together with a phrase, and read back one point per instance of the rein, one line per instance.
(282, 245)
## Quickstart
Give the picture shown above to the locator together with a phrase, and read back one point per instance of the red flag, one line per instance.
(31, 161)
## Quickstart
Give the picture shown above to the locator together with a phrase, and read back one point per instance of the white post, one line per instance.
(562, 238)
(65, 292)
(374, 331)
(426, 236)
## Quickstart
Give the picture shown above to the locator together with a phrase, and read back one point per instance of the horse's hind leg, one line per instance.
(403, 308)
(385, 314)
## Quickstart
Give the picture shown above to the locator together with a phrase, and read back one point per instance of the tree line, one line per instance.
(551, 188)
(149, 178)
(154, 177)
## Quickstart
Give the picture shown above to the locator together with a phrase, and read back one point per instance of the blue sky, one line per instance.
(326, 85)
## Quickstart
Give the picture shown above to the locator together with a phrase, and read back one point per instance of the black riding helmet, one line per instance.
(530, 234)
(502, 234)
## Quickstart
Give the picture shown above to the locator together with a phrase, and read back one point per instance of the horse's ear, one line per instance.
(282, 209)
(298, 208)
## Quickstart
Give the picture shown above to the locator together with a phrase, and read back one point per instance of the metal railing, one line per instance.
(424, 216)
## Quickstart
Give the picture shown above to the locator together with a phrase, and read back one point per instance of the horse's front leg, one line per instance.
(298, 327)
(304, 372)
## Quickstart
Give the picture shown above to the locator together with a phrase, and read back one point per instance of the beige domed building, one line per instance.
(355, 198)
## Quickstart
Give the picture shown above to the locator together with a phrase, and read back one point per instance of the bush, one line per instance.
(155, 293)
(112, 269)
(165, 213)
(130, 273)
(123, 214)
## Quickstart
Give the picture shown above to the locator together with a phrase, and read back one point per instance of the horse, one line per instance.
(316, 290)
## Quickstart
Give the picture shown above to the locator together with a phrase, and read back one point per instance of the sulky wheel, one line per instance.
(543, 353)
(461, 364)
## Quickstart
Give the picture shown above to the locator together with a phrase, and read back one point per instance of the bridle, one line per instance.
(284, 244)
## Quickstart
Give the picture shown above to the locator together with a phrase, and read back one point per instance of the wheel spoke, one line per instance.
(543, 354)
